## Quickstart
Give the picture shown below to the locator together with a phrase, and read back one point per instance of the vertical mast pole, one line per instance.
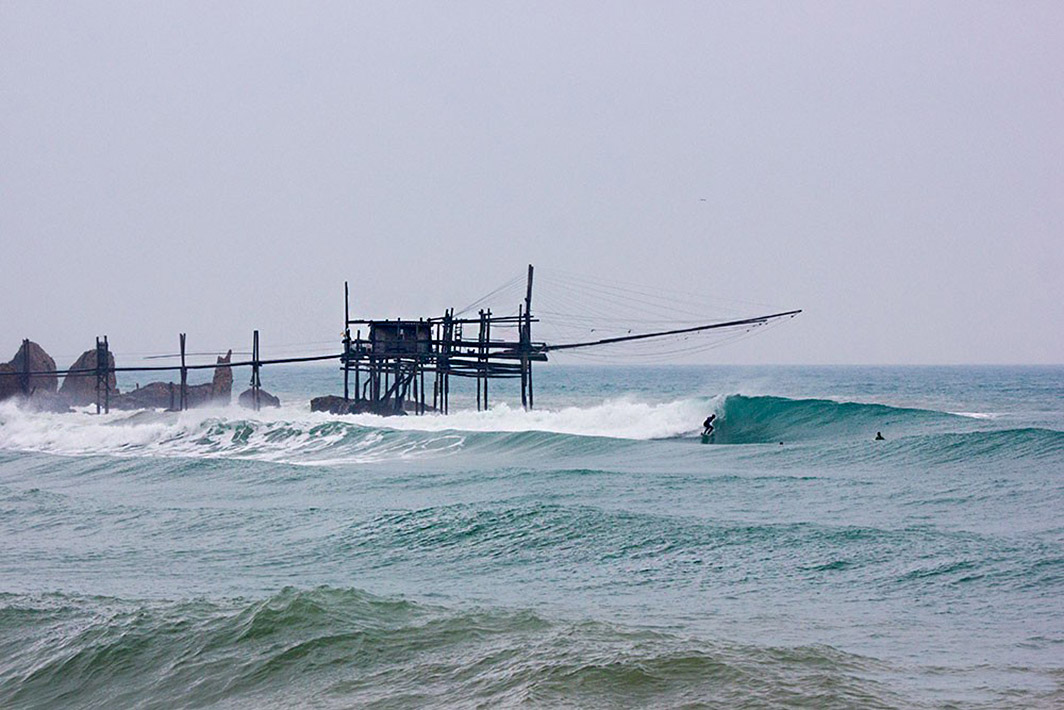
(99, 347)
(524, 355)
(480, 355)
(445, 396)
(528, 335)
(347, 343)
(255, 381)
(106, 375)
(184, 375)
(24, 375)
(358, 382)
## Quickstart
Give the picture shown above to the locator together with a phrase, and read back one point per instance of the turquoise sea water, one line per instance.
(591, 553)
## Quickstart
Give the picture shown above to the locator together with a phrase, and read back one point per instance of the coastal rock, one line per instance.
(31, 357)
(80, 389)
(265, 399)
(167, 395)
(222, 384)
(334, 404)
(155, 395)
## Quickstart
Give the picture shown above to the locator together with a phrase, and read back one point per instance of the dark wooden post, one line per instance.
(103, 375)
(524, 356)
(99, 372)
(184, 376)
(347, 344)
(447, 371)
(24, 374)
(480, 355)
(255, 381)
(528, 335)
(107, 381)
(487, 352)
(358, 365)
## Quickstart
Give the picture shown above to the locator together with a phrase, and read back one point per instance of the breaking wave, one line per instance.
(293, 435)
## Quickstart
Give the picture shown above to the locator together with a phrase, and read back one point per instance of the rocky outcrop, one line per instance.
(222, 384)
(334, 404)
(167, 395)
(30, 357)
(80, 389)
(155, 395)
(246, 399)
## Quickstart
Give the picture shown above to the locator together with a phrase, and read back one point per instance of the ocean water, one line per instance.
(590, 553)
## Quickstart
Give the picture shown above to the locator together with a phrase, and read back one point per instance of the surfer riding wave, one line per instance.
(707, 426)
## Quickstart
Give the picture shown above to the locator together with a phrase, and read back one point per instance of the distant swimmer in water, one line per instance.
(707, 426)
(879, 436)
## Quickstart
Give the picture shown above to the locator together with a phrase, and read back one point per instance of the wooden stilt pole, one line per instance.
(256, 383)
(524, 357)
(480, 357)
(106, 376)
(528, 335)
(99, 373)
(487, 340)
(184, 376)
(358, 366)
(24, 373)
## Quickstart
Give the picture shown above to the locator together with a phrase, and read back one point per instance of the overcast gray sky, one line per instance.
(896, 169)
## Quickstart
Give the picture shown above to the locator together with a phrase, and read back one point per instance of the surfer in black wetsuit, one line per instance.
(707, 426)
(879, 436)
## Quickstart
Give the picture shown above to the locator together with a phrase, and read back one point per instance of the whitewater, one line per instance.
(589, 553)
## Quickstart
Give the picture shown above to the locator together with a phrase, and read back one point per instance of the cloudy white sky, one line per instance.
(895, 169)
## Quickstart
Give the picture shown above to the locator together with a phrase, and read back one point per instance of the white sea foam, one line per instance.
(621, 418)
(294, 435)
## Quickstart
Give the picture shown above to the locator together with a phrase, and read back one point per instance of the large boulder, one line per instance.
(167, 395)
(30, 357)
(222, 384)
(334, 404)
(154, 395)
(247, 399)
(80, 388)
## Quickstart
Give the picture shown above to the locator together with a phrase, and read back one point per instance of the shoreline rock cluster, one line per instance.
(43, 392)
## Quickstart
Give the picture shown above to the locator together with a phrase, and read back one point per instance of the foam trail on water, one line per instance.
(622, 418)
(294, 435)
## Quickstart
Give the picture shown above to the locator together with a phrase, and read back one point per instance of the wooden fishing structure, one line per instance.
(390, 364)
(401, 366)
